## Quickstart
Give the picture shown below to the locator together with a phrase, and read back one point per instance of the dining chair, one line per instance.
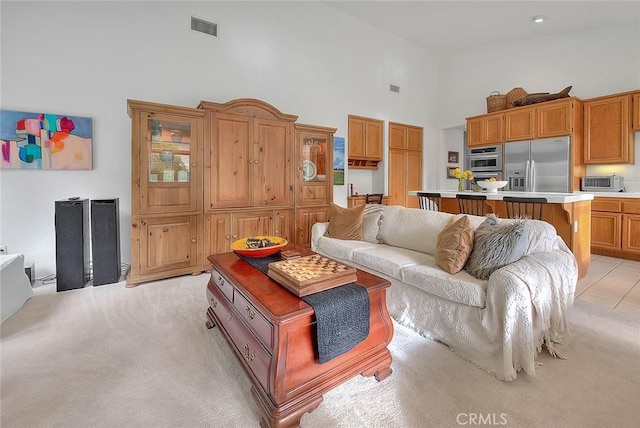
(518, 207)
(373, 198)
(472, 204)
(429, 201)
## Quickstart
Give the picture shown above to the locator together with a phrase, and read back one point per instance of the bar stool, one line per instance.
(518, 207)
(373, 198)
(472, 204)
(429, 201)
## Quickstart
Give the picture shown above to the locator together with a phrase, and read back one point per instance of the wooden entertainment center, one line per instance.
(271, 331)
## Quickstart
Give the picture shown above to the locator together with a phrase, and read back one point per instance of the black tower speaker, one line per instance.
(72, 243)
(105, 240)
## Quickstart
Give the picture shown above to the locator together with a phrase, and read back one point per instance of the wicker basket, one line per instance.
(496, 102)
(514, 95)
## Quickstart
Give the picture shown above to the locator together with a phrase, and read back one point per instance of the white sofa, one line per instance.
(500, 324)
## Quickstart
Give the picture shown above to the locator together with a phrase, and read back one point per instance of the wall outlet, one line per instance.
(3, 249)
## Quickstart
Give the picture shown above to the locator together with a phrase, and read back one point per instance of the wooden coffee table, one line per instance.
(271, 332)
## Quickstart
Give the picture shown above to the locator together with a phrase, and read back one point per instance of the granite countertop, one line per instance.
(553, 198)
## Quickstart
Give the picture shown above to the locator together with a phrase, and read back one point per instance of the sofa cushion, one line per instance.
(341, 249)
(345, 223)
(461, 287)
(454, 245)
(496, 244)
(388, 260)
(412, 228)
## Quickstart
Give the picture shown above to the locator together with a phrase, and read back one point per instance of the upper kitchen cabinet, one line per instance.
(248, 161)
(165, 158)
(608, 137)
(543, 120)
(365, 142)
(636, 111)
(485, 130)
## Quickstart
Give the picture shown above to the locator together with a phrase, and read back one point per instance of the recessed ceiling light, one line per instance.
(538, 19)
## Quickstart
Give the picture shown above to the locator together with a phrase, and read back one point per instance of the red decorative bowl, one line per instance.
(240, 246)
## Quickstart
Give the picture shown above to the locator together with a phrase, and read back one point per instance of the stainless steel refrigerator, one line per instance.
(542, 165)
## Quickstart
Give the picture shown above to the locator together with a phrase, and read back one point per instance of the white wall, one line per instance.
(88, 58)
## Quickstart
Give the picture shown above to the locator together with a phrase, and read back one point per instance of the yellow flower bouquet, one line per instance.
(461, 176)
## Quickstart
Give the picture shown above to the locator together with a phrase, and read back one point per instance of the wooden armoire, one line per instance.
(205, 177)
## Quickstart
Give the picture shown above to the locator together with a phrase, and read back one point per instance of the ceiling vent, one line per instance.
(205, 27)
(394, 88)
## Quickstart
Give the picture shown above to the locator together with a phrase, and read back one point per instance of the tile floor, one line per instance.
(611, 282)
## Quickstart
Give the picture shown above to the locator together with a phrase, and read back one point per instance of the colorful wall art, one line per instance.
(338, 161)
(44, 141)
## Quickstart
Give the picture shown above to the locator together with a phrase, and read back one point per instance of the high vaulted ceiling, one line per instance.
(452, 25)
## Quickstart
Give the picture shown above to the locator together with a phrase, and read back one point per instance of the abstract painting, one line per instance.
(338, 161)
(44, 141)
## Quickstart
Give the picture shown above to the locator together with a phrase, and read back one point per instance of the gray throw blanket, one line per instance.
(342, 314)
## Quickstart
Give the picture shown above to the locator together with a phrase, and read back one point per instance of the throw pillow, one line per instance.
(371, 227)
(496, 245)
(345, 223)
(454, 245)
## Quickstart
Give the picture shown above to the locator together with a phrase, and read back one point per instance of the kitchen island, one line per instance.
(569, 213)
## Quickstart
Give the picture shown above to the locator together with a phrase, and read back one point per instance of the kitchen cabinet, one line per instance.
(166, 191)
(636, 111)
(314, 181)
(615, 227)
(405, 163)
(485, 130)
(608, 137)
(365, 142)
(543, 120)
(224, 227)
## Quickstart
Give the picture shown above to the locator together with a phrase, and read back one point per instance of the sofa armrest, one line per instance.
(317, 231)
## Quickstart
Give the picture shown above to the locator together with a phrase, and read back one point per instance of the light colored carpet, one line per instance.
(109, 356)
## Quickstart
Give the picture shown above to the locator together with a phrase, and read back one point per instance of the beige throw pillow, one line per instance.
(454, 245)
(345, 223)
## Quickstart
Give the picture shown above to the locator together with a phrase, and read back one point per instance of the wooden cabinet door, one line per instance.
(606, 230)
(251, 223)
(229, 169)
(474, 132)
(397, 171)
(357, 135)
(493, 129)
(636, 112)
(305, 219)
(169, 244)
(607, 134)
(519, 124)
(314, 160)
(631, 233)
(397, 136)
(413, 174)
(414, 138)
(554, 120)
(168, 165)
(218, 233)
(373, 147)
(283, 224)
(271, 163)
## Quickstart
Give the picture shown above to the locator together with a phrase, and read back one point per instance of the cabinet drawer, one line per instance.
(631, 207)
(222, 284)
(603, 205)
(253, 318)
(218, 304)
(249, 349)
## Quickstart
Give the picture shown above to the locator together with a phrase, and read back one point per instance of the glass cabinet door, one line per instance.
(314, 158)
(168, 150)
